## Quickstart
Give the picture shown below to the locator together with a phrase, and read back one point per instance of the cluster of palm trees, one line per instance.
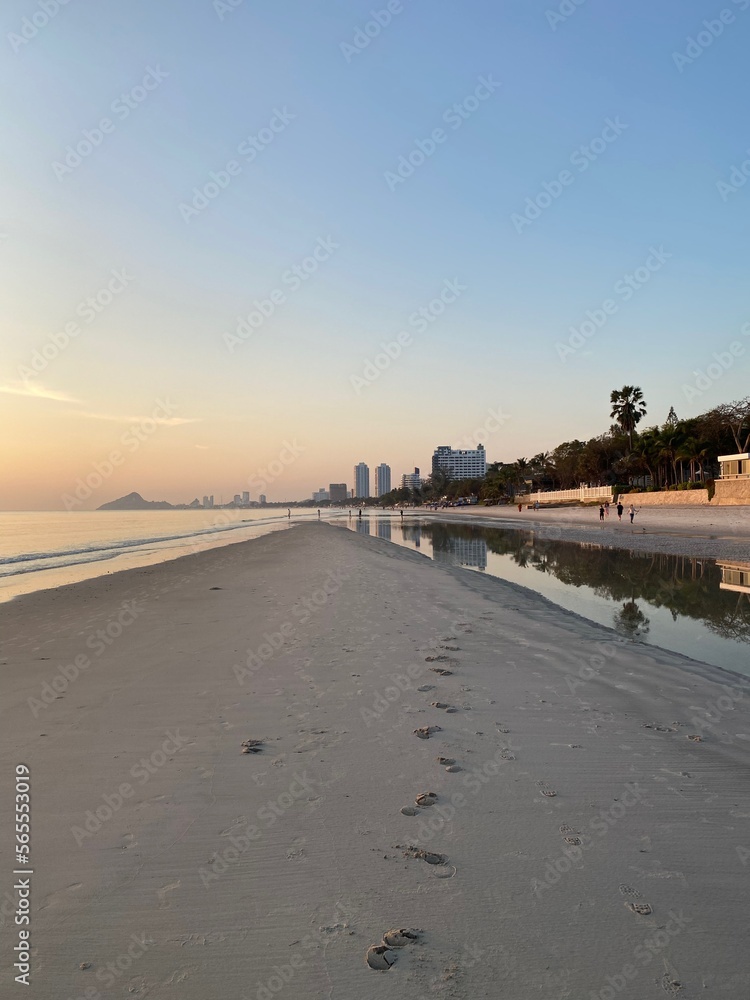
(678, 453)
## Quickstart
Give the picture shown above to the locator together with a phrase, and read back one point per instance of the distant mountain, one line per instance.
(134, 501)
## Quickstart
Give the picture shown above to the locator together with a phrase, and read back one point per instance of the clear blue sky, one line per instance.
(324, 176)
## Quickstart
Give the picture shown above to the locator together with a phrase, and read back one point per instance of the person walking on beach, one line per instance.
(632, 511)
(402, 515)
(318, 511)
(601, 512)
(520, 508)
(620, 509)
(606, 508)
(288, 512)
(360, 512)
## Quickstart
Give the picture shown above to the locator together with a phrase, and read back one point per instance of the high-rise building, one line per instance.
(458, 463)
(246, 497)
(262, 499)
(382, 480)
(411, 480)
(205, 501)
(211, 500)
(361, 480)
(237, 499)
(337, 493)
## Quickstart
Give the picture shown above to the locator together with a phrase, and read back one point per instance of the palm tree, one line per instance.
(628, 408)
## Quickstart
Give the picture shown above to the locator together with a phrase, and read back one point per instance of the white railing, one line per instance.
(582, 493)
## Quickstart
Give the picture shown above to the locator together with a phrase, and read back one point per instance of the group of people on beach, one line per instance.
(604, 511)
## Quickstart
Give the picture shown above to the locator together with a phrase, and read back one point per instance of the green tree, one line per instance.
(628, 409)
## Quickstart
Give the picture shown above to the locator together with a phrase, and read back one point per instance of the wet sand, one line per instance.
(460, 790)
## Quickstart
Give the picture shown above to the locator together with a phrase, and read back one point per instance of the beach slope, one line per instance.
(545, 809)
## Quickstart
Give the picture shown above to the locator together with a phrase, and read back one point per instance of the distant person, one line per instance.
(520, 507)
(601, 512)
(536, 505)
(360, 512)
(632, 511)
(606, 508)
(288, 512)
(402, 515)
(318, 511)
(620, 509)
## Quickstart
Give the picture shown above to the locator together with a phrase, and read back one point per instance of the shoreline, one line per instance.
(579, 789)
(685, 532)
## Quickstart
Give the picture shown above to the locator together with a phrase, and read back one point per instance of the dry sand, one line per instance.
(590, 847)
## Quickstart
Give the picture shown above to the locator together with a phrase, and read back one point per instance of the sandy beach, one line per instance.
(486, 795)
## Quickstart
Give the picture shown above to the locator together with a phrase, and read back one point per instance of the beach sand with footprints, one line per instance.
(319, 765)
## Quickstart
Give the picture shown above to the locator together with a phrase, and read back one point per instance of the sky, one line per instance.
(214, 215)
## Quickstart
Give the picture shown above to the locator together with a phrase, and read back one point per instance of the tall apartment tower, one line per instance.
(361, 480)
(338, 492)
(382, 480)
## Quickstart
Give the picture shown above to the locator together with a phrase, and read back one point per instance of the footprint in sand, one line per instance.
(431, 857)
(695, 738)
(162, 893)
(425, 799)
(628, 890)
(669, 985)
(445, 761)
(409, 811)
(425, 732)
(380, 957)
(507, 754)
(400, 937)
(545, 789)
(502, 729)
(437, 659)
(573, 840)
(642, 909)
(128, 841)
(448, 638)
(252, 746)
(426, 687)
(440, 704)
(452, 649)
(453, 768)
(442, 671)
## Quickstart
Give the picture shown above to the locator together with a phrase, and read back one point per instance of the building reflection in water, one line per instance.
(363, 525)
(735, 577)
(384, 529)
(463, 552)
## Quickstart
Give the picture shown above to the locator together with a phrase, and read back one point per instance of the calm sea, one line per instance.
(44, 549)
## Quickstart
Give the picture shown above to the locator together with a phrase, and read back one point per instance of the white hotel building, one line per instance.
(459, 463)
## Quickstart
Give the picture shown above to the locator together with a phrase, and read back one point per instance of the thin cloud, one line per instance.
(120, 419)
(35, 390)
